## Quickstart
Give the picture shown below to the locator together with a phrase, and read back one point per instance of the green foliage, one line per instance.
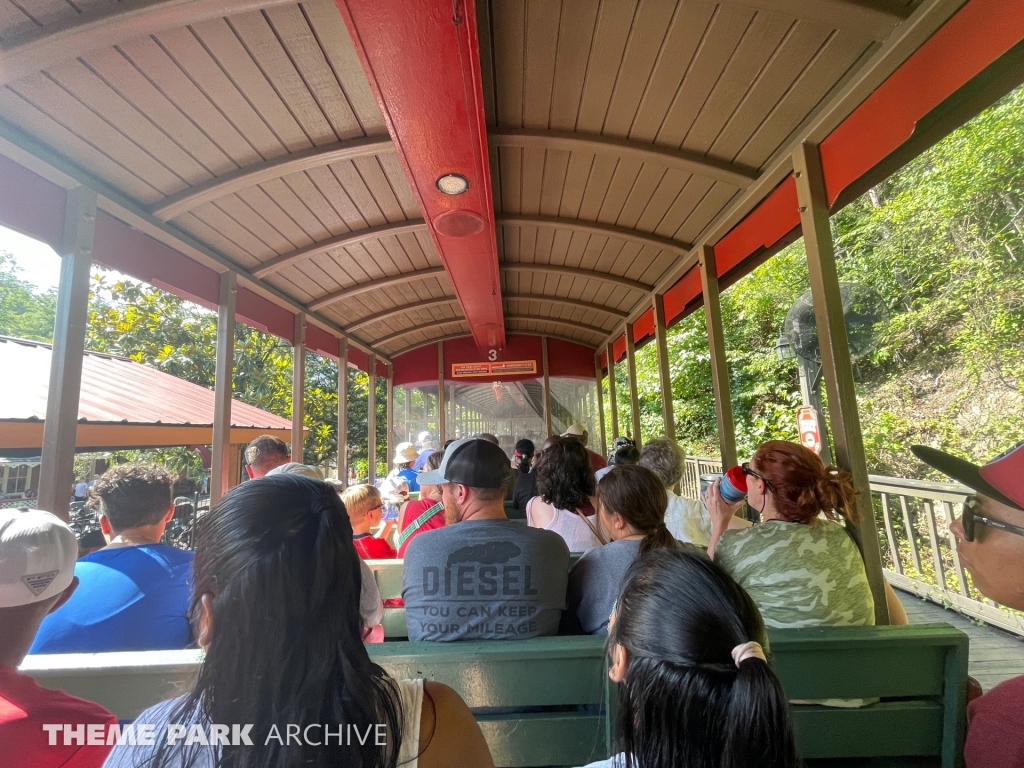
(24, 313)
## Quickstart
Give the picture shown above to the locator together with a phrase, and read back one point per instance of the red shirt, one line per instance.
(25, 706)
(370, 548)
(597, 461)
(411, 513)
(995, 727)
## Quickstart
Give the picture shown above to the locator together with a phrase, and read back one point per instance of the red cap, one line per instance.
(737, 478)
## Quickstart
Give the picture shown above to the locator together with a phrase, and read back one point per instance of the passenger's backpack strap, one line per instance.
(590, 525)
(416, 524)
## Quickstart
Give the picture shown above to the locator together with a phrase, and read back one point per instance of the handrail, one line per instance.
(925, 562)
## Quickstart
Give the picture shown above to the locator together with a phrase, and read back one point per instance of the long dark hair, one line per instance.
(276, 556)
(639, 496)
(565, 479)
(684, 701)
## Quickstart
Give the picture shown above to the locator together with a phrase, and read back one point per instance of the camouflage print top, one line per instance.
(799, 575)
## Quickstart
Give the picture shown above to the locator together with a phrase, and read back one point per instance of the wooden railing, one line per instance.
(918, 551)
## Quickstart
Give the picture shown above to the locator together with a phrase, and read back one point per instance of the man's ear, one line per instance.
(170, 513)
(248, 471)
(69, 590)
(105, 527)
(620, 661)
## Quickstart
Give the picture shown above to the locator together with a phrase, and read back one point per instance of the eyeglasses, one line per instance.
(745, 466)
(970, 518)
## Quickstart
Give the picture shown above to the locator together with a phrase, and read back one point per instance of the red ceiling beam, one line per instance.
(423, 62)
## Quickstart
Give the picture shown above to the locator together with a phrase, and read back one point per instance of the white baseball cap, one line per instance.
(37, 556)
(295, 468)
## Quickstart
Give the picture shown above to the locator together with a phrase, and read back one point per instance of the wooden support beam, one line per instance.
(371, 420)
(625, 149)
(613, 402)
(664, 371)
(373, 285)
(343, 411)
(719, 363)
(298, 386)
(634, 389)
(442, 434)
(268, 170)
(600, 404)
(57, 473)
(547, 387)
(848, 443)
(221, 477)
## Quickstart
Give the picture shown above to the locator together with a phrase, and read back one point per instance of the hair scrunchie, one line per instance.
(751, 650)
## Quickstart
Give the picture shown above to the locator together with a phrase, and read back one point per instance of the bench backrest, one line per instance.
(919, 672)
(388, 574)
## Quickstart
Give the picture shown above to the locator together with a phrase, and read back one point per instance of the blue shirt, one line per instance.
(129, 599)
(421, 460)
(411, 477)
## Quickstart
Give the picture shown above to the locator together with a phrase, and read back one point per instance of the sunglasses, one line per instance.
(970, 518)
(745, 466)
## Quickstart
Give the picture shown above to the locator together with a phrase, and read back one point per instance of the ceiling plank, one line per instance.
(585, 274)
(382, 342)
(42, 48)
(278, 263)
(613, 146)
(875, 19)
(373, 285)
(596, 228)
(449, 337)
(559, 321)
(571, 303)
(251, 175)
(369, 320)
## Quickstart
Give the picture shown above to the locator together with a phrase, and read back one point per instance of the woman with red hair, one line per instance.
(800, 565)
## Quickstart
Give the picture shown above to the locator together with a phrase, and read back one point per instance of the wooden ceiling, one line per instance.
(619, 131)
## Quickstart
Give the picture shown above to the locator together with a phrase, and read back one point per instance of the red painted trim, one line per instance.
(321, 342)
(30, 204)
(977, 35)
(775, 217)
(643, 328)
(565, 359)
(680, 295)
(604, 362)
(619, 348)
(422, 60)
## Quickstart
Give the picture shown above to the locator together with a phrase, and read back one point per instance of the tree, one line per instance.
(24, 313)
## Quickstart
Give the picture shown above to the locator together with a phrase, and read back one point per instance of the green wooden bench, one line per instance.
(919, 672)
(388, 574)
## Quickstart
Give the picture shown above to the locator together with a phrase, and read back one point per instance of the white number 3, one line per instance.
(492, 355)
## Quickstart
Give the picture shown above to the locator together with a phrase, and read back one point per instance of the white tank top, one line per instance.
(569, 525)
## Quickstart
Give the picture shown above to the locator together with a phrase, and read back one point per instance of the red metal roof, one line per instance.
(114, 390)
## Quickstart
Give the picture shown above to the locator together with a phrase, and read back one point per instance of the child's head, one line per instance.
(364, 506)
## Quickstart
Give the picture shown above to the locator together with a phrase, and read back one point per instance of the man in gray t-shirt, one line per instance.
(482, 577)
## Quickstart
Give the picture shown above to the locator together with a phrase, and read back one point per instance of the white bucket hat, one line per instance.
(37, 556)
(405, 453)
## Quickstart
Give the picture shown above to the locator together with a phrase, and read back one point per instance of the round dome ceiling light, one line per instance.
(459, 223)
(452, 184)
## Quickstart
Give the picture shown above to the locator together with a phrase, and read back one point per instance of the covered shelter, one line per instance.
(123, 405)
(414, 188)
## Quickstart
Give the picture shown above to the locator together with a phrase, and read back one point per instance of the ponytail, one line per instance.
(803, 486)
(757, 725)
(659, 538)
(836, 495)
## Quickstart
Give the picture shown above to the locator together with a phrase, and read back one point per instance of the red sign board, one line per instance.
(807, 423)
(507, 368)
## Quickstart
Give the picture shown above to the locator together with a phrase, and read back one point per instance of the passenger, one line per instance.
(687, 648)
(631, 504)
(423, 514)
(263, 454)
(274, 605)
(991, 548)
(482, 576)
(294, 468)
(525, 485)
(405, 457)
(687, 519)
(489, 438)
(37, 576)
(625, 453)
(364, 504)
(565, 488)
(800, 565)
(133, 594)
(579, 432)
(426, 447)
